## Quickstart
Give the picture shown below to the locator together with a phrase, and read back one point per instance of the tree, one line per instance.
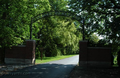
(56, 34)
(15, 19)
(102, 16)
(88, 21)
(93, 40)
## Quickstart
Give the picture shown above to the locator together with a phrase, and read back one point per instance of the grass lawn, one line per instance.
(115, 62)
(48, 59)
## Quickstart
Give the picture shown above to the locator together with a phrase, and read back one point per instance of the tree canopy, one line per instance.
(58, 34)
(101, 17)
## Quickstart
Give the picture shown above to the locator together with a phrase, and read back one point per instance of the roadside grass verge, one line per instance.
(48, 59)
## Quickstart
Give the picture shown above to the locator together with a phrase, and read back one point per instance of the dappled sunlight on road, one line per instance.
(42, 71)
(54, 69)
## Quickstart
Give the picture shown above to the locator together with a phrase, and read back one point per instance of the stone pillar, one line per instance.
(83, 53)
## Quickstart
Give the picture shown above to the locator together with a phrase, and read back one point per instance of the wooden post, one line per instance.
(41, 53)
(31, 29)
(83, 29)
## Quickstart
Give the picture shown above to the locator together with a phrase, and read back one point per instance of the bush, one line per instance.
(59, 52)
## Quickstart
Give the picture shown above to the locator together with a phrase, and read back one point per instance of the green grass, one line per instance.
(115, 62)
(48, 59)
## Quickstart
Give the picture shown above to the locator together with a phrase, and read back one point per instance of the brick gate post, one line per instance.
(83, 54)
(30, 51)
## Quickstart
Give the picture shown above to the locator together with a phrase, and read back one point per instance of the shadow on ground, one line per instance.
(95, 72)
(42, 71)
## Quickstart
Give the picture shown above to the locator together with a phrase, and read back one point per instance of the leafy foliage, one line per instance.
(100, 16)
(58, 36)
(55, 35)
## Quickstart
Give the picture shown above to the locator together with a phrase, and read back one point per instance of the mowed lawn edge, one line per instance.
(49, 59)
